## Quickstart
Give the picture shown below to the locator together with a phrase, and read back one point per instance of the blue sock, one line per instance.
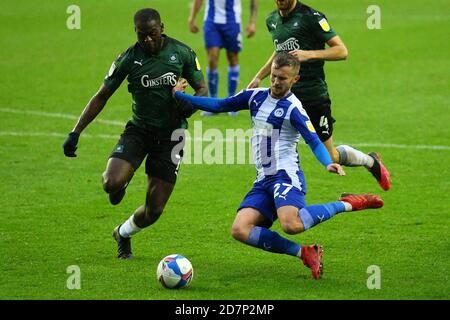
(233, 79)
(213, 81)
(271, 241)
(315, 214)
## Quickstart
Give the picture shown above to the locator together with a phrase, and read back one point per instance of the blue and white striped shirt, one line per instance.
(223, 11)
(277, 126)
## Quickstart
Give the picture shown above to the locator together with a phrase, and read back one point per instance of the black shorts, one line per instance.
(163, 155)
(319, 112)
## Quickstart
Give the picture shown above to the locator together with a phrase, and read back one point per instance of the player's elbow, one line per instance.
(343, 53)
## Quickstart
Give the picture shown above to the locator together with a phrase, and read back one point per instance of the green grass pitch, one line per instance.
(391, 96)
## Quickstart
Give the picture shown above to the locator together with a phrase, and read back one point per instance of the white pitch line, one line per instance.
(115, 137)
(122, 124)
(58, 115)
(54, 134)
(398, 146)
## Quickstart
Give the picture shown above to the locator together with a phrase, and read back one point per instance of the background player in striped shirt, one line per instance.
(278, 121)
(222, 29)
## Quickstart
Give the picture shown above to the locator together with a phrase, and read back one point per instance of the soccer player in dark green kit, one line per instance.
(303, 32)
(152, 67)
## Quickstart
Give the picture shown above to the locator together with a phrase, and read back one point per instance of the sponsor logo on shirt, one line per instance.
(167, 79)
(197, 63)
(111, 70)
(324, 24)
(310, 126)
(288, 45)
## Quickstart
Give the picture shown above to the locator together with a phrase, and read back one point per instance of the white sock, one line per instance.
(129, 228)
(348, 206)
(351, 157)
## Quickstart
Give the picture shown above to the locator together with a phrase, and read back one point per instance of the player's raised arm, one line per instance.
(235, 103)
(262, 73)
(336, 51)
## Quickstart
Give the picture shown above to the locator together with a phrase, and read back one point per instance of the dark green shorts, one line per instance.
(163, 155)
(319, 112)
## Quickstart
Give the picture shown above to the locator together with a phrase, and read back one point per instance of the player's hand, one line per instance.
(254, 84)
(336, 168)
(180, 86)
(192, 26)
(70, 145)
(301, 55)
(251, 30)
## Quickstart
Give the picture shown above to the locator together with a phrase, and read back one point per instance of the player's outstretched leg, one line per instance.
(272, 241)
(362, 201)
(123, 244)
(312, 258)
(349, 156)
(380, 172)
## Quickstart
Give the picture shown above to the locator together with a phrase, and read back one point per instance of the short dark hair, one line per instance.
(146, 14)
(283, 59)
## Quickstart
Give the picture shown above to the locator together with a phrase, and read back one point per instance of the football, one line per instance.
(174, 272)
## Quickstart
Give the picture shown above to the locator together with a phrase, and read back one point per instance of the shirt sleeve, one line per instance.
(117, 72)
(234, 103)
(191, 68)
(321, 28)
(300, 121)
(267, 24)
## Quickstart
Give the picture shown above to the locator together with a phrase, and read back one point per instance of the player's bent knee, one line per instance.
(111, 184)
(292, 228)
(239, 232)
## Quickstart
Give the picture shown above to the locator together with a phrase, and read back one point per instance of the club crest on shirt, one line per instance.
(324, 24)
(279, 112)
(173, 58)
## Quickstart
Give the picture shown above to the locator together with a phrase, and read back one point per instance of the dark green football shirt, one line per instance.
(303, 29)
(151, 79)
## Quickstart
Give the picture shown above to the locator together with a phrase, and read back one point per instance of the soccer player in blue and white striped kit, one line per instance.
(278, 120)
(222, 29)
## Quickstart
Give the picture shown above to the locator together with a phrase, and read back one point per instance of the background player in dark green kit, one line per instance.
(152, 67)
(303, 32)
